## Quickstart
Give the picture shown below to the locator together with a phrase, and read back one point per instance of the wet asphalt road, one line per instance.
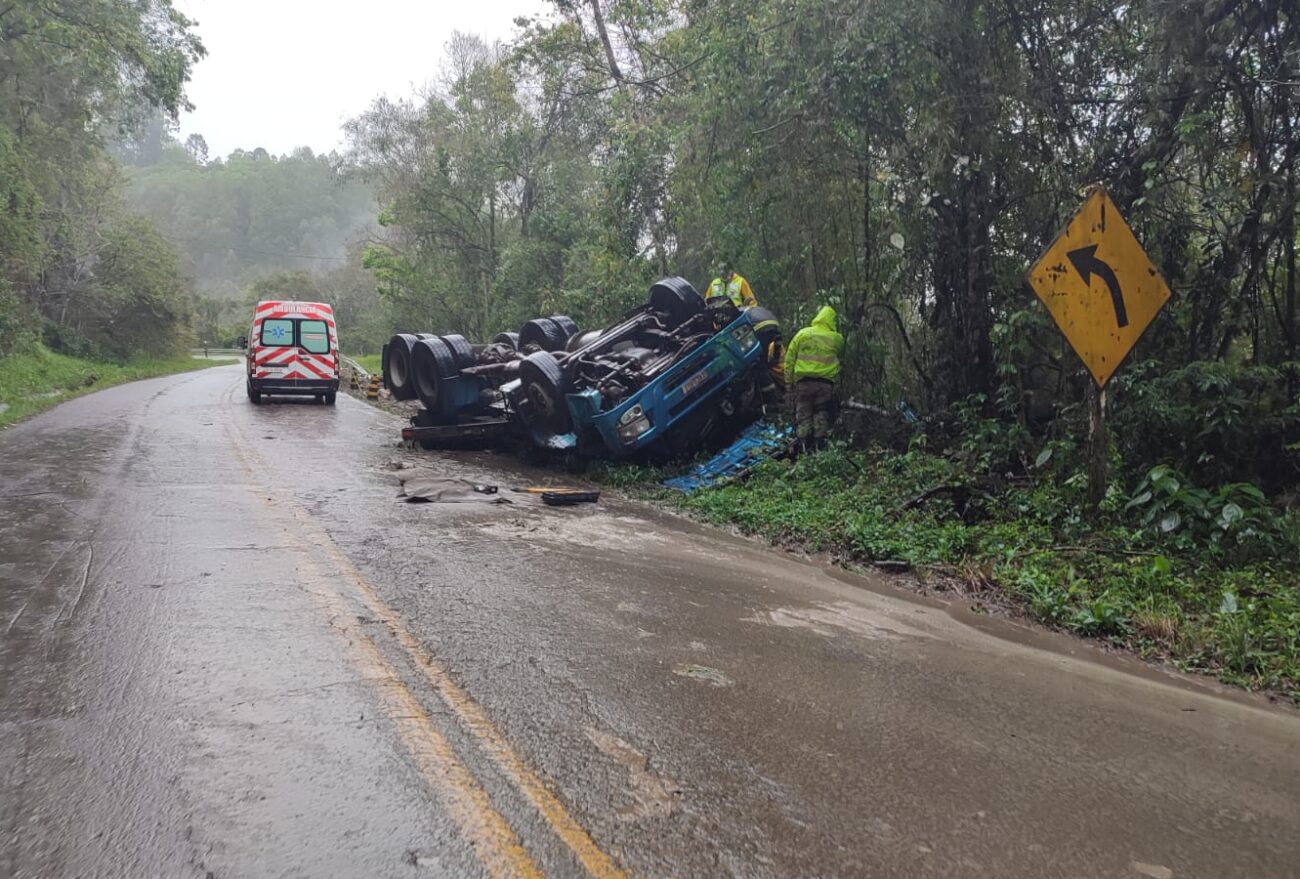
(226, 650)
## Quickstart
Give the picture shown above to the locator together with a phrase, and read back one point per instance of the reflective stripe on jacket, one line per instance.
(815, 350)
(737, 290)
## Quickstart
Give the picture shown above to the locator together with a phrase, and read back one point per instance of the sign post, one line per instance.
(1102, 290)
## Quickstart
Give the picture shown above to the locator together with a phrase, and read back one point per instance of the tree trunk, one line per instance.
(614, 69)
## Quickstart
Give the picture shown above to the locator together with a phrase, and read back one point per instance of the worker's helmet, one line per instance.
(764, 322)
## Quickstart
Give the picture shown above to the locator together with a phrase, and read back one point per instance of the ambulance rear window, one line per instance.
(314, 336)
(277, 332)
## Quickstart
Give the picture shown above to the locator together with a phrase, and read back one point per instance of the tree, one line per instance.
(197, 147)
(71, 73)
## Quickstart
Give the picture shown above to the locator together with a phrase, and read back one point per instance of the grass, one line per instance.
(370, 363)
(40, 379)
(1223, 600)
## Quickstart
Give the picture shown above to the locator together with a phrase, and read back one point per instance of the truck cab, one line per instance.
(293, 350)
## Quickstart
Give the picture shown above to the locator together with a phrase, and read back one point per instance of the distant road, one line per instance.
(227, 650)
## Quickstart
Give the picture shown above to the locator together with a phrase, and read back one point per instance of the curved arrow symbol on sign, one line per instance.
(1087, 264)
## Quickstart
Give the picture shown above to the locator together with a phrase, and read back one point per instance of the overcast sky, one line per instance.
(287, 73)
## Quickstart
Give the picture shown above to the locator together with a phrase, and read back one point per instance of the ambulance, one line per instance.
(293, 350)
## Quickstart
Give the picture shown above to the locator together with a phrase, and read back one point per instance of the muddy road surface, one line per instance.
(226, 650)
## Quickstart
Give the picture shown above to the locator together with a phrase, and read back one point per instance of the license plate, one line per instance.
(695, 381)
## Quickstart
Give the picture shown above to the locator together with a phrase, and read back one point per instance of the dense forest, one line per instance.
(252, 224)
(78, 268)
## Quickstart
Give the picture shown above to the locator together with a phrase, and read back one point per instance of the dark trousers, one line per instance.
(814, 409)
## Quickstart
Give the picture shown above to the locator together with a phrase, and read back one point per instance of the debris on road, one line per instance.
(423, 487)
(569, 497)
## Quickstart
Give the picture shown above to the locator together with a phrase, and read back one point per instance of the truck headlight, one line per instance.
(744, 336)
(633, 423)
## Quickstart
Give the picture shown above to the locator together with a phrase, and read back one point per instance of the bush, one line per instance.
(1215, 422)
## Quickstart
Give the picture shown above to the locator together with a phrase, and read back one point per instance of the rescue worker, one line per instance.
(812, 366)
(768, 330)
(732, 286)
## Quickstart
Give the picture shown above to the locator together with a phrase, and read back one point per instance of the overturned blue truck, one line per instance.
(674, 377)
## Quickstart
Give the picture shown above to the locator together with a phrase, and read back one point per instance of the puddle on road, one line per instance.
(828, 620)
(652, 796)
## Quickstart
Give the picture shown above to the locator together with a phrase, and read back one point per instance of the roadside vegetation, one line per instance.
(40, 379)
(371, 363)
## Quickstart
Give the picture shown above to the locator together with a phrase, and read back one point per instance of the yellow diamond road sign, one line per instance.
(1100, 286)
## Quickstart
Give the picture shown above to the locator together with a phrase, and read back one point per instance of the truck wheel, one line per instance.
(542, 383)
(432, 363)
(461, 350)
(511, 339)
(544, 333)
(254, 396)
(330, 398)
(566, 324)
(397, 366)
(676, 298)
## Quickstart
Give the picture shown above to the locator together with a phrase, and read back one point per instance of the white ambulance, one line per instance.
(293, 350)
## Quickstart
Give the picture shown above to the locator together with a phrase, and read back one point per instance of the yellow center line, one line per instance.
(494, 842)
(574, 835)
(492, 839)
(475, 721)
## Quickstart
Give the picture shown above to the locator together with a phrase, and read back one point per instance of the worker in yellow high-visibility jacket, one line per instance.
(812, 367)
(731, 285)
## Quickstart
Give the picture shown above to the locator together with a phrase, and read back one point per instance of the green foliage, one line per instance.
(71, 73)
(38, 379)
(371, 363)
(1214, 421)
(1235, 518)
(137, 305)
(239, 218)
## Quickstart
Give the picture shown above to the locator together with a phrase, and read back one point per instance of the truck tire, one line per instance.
(544, 333)
(330, 398)
(432, 363)
(676, 298)
(511, 339)
(254, 396)
(565, 323)
(542, 384)
(397, 366)
(461, 350)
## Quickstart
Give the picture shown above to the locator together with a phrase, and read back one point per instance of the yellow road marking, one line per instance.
(489, 835)
(494, 842)
(573, 834)
(565, 826)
